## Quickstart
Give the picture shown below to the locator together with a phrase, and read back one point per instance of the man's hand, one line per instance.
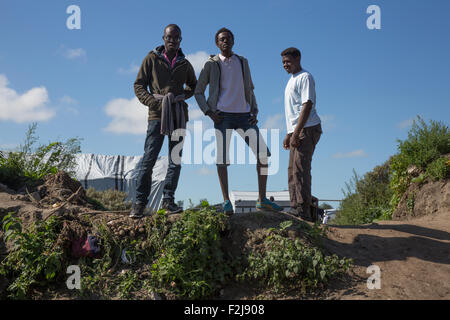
(286, 141)
(214, 117)
(253, 119)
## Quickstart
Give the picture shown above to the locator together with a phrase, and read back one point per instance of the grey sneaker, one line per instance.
(138, 211)
(171, 207)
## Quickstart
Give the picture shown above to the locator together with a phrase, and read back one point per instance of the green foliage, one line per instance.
(182, 259)
(191, 262)
(424, 148)
(366, 198)
(285, 263)
(438, 169)
(113, 200)
(30, 164)
(34, 260)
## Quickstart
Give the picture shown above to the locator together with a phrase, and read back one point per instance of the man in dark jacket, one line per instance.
(164, 81)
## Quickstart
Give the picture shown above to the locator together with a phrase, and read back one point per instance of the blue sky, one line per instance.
(370, 84)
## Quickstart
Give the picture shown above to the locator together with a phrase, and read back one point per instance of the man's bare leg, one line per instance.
(222, 172)
(262, 181)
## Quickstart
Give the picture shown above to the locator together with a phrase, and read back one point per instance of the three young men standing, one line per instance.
(231, 105)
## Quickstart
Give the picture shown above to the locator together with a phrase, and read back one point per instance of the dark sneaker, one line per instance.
(171, 207)
(137, 212)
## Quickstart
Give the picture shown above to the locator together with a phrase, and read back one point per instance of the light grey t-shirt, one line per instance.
(299, 89)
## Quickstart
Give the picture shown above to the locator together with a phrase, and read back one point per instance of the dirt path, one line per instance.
(413, 257)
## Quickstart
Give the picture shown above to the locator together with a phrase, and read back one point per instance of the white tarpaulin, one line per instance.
(103, 172)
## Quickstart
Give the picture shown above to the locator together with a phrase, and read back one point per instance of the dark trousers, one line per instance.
(153, 145)
(299, 170)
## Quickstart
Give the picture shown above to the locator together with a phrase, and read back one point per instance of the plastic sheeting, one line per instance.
(104, 172)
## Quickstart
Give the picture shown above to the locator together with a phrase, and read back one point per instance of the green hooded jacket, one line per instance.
(156, 76)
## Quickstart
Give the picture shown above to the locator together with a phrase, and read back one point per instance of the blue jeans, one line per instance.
(250, 133)
(153, 145)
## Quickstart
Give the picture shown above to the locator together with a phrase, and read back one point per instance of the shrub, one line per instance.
(366, 198)
(192, 262)
(286, 263)
(424, 147)
(34, 260)
(30, 164)
(438, 169)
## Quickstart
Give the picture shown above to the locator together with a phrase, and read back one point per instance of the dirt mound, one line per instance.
(427, 199)
(61, 187)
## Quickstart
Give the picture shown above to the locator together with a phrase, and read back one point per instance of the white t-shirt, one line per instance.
(231, 95)
(299, 89)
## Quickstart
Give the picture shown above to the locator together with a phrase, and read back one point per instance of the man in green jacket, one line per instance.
(231, 105)
(164, 81)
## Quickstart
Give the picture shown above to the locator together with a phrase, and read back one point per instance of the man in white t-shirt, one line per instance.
(303, 131)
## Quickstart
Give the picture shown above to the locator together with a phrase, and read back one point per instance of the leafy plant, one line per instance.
(191, 262)
(34, 260)
(284, 263)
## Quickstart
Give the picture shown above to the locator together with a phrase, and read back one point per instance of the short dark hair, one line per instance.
(173, 25)
(294, 52)
(223, 30)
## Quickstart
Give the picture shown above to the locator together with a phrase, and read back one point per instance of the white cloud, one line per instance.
(68, 100)
(69, 104)
(72, 54)
(275, 121)
(132, 69)
(128, 116)
(353, 154)
(29, 106)
(405, 124)
(198, 60)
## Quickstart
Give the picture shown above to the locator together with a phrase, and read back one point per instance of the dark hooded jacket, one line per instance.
(156, 76)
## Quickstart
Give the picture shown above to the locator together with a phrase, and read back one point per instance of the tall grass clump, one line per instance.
(366, 198)
(31, 163)
(110, 199)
